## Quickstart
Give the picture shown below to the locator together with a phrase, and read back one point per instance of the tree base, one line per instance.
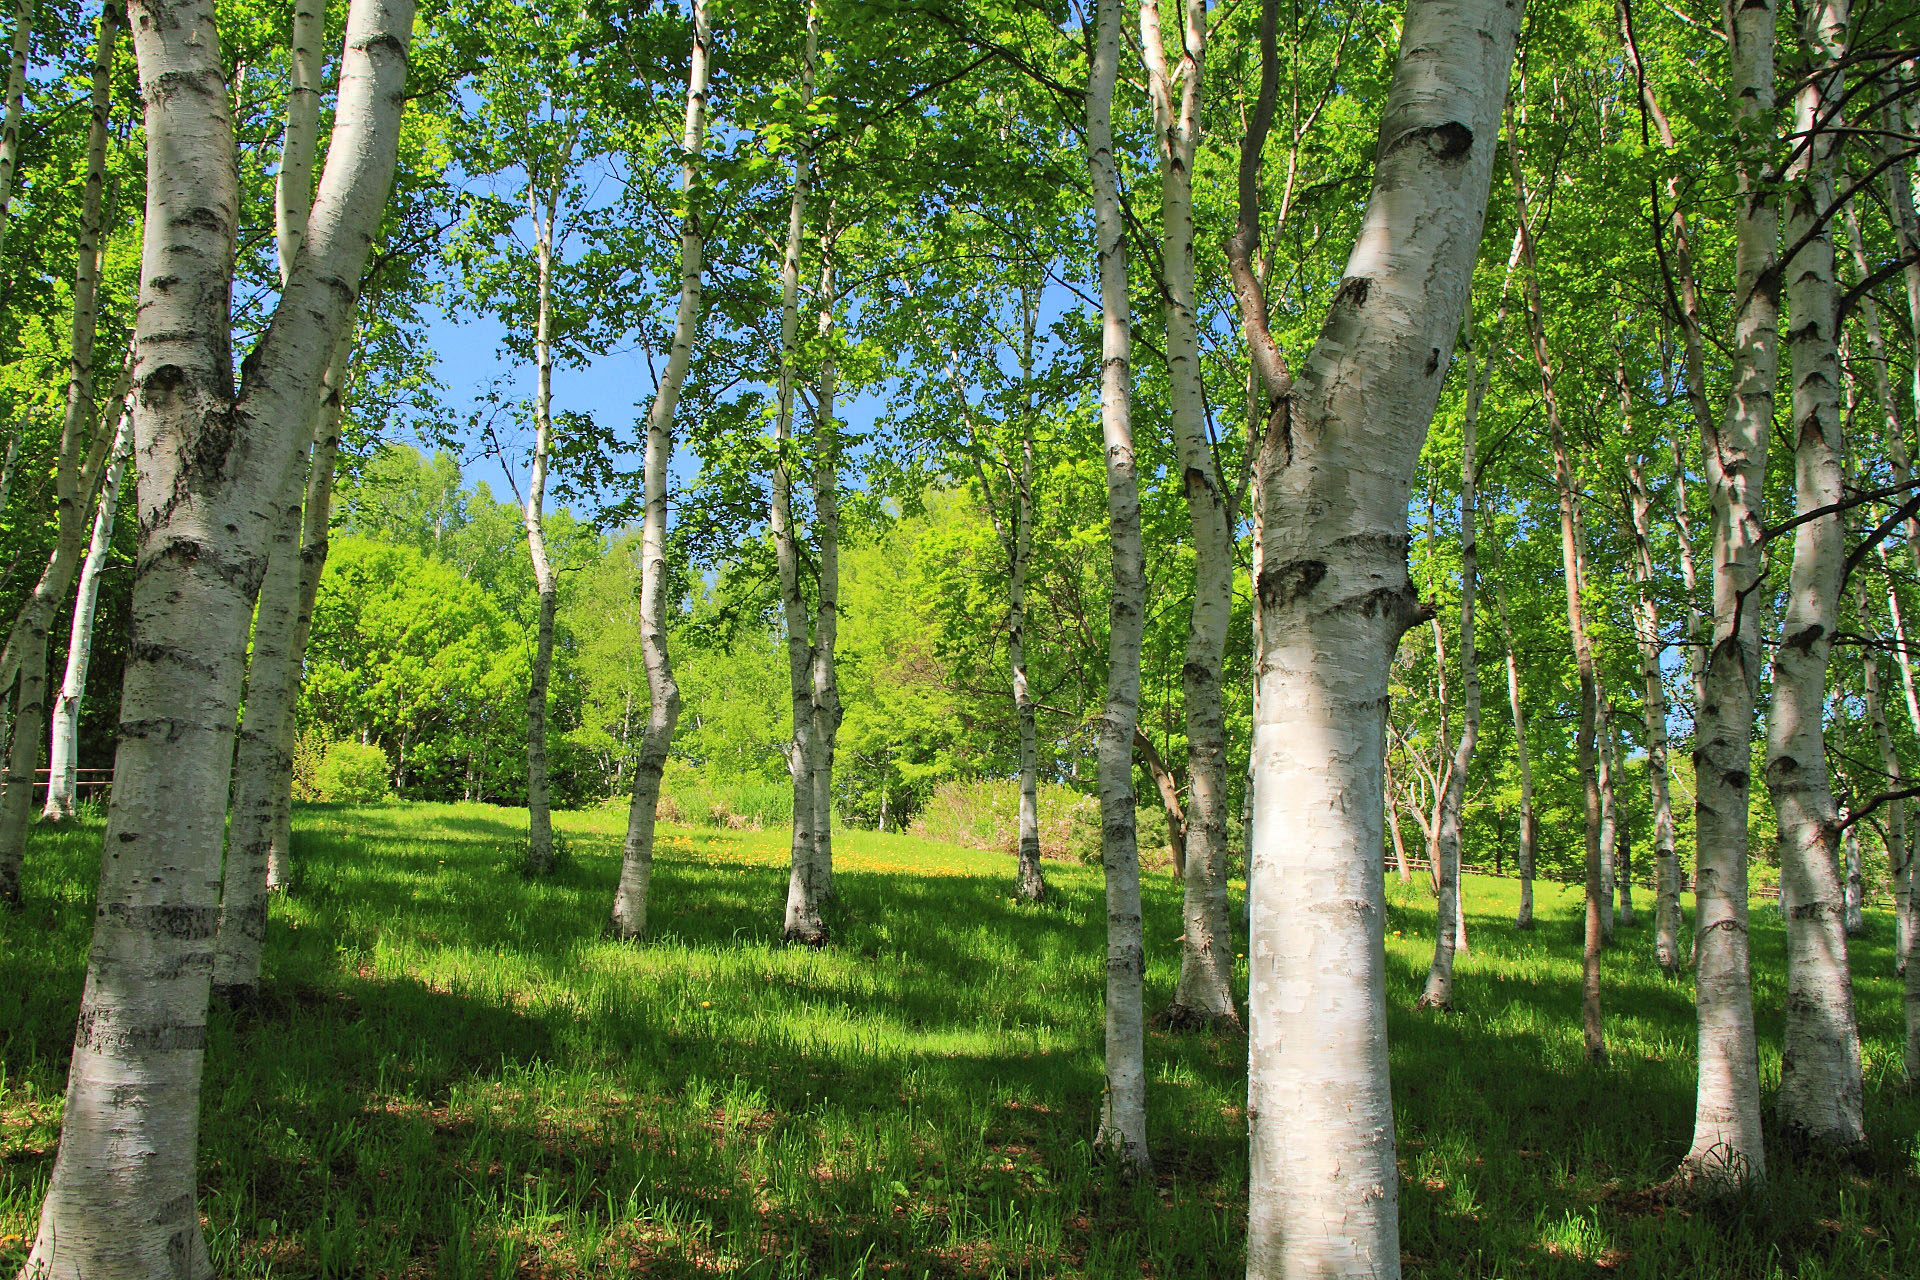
(803, 936)
(1182, 1019)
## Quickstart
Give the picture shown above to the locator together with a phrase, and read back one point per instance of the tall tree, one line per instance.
(1123, 1108)
(121, 1201)
(636, 861)
(1338, 457)
(1820, 1083)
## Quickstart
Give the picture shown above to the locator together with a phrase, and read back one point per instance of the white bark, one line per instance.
(1338, 461)
(1205, 991)
(120, 1205)
(16, 100)
(1123, 1108)
(1726, 1148)
(1820, 1081)
(663, 711)
(826, 623)
(76, 472)
(63, 753)
(806, 888)
(540, 854)
(263, 750)
(1030, 885)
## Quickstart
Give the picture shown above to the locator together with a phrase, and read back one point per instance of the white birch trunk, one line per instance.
(16, 100)
(1727, 1150)
(63, 751)
(77, 470)
(540, 854)
(1856, 883)
(1338, 461)
(1205, 994)
(1030, 885)
(806, 894)
(1123, 1107)
(663, 708)
(273, 668)
(121, 1203)
(826, 622)
(1820, 1078)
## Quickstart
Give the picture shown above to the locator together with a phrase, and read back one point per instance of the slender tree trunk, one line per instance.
(826, 622)
(1666, 914)
(1598, 916)
(316, 516)
(1449, 936)
(663, 712)
(1820, 1079)
(1030, 885)
(1606, 757)
(540, 854)
(1204, 995)
(1856, 883)
(1123, 1108)
(806, 892)
(1529, 824)
(264, 749)
(1338, 459)
(63, 753)
(16, 101)
(77, 470)
(121, 1202)
(1727, 1150)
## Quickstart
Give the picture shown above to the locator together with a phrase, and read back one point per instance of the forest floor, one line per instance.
(455, 1074)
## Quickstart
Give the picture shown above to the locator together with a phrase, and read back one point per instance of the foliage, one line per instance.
(353, 773)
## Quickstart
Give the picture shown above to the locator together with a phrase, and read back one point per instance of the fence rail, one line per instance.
(1768, 892)
(87, 783)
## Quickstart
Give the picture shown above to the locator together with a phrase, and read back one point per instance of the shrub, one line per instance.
(309, 749)
(984, 813)
(353, 773)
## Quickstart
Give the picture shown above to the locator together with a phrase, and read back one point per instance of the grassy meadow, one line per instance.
(455, 1074)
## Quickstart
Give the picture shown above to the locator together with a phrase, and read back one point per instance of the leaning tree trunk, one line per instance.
(540, 852)
(806, 888)
(1529, 825)
(273, 669)
(1727, 1150)
(1605, 766)
(1204, 995)
(1821, 1092)
(1123, 1108)
(121, 1202)
(77, 470)
(63, 754)
(1338, 460)
(315, 518)
(826, 623)
(663, 711)
(1448, 935)
(1598, 916)
(16, 100)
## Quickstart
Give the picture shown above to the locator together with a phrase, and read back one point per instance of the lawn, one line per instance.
(455, 1073)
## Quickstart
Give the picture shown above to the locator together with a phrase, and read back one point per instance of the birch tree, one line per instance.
(121, 1200)
(1820, 1083)
(1205, 992)
(1337, 464)
(21, 47)
(636, 862)
(1726, 1148)
(83, 446)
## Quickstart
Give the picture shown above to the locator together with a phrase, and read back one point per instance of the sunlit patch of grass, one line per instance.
(456, 1073)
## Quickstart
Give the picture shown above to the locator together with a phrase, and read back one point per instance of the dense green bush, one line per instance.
(353, 773)
(744, 804)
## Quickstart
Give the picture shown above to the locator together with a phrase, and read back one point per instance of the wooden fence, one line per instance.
(87, 783)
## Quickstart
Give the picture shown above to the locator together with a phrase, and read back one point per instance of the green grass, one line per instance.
(455, 1074)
